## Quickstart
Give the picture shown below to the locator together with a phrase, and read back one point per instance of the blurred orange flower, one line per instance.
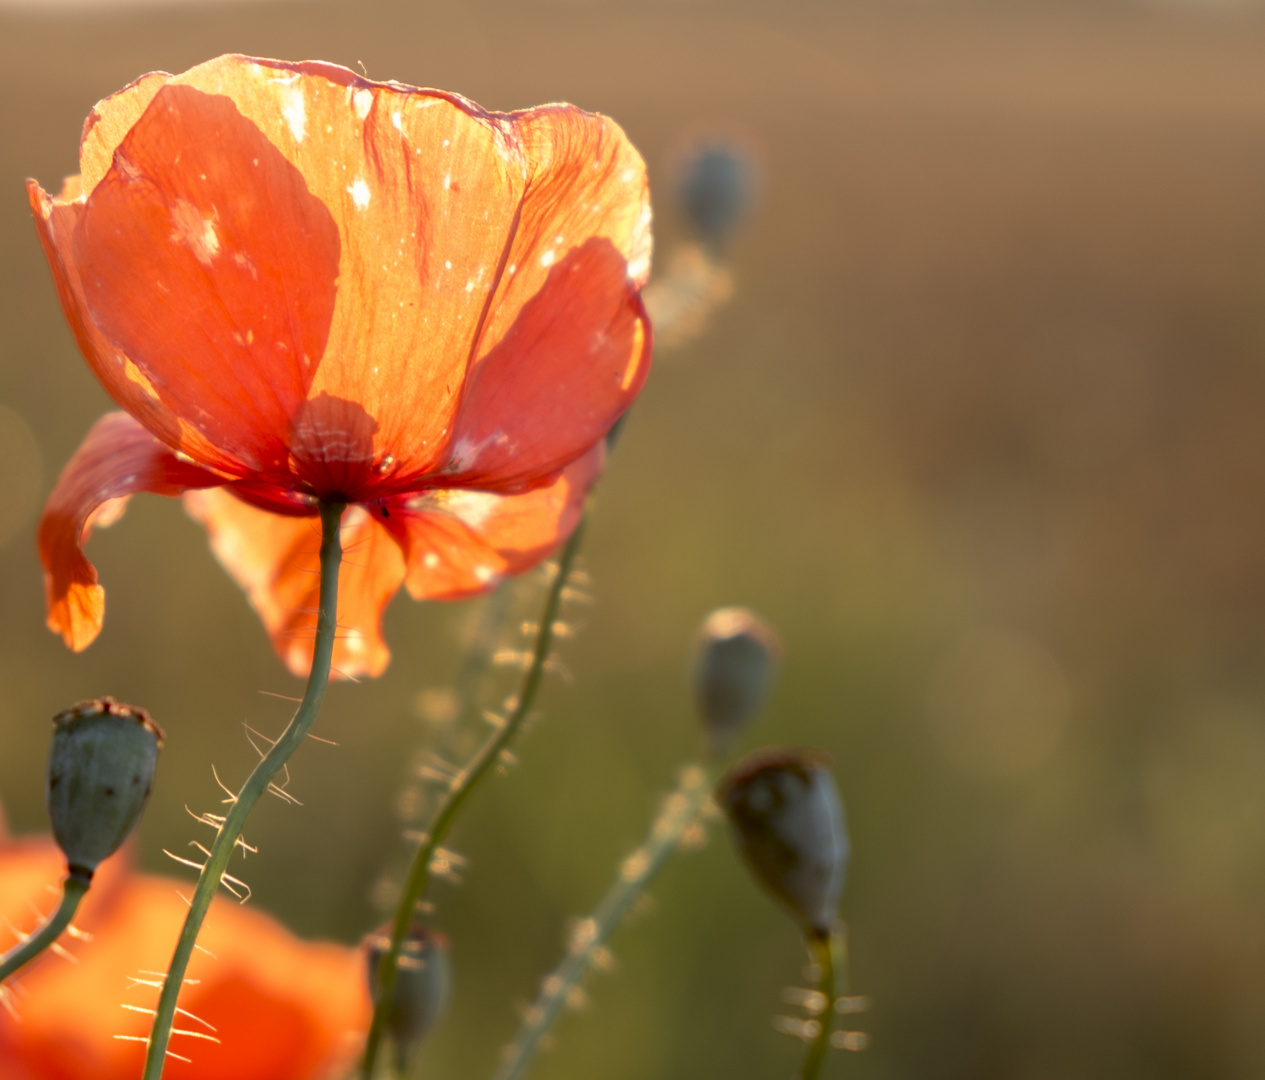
(264, 1006)
(304, 285)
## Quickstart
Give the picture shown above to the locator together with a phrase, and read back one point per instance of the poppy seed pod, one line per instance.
(717, 181)
(789, 823)
(423, 982)
(733, 673)
(100, 772)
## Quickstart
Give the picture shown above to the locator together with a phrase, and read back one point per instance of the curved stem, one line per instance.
(256, 784)
(73, 889)
(680, 810)
(458, 791)
(822, 945)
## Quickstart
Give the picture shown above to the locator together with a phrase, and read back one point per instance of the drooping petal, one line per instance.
(275, 559)
(213, 268)
(117, 459)
(460, 542)
(277, 1008)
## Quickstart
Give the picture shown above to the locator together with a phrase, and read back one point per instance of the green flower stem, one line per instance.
(822, 946)
(681, 809)
(256, 784)
(24, 952)
(458, 791)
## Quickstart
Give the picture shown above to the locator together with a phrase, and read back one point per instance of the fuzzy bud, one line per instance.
(789, 824)
(423, 982)
(100, 772)
(733, 673)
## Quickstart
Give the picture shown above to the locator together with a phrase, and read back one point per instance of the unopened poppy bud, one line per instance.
(789, 823)
(423, 982)
(733, 673)
(717, 181)
(100, 773)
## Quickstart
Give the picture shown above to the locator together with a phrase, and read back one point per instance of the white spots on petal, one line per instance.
(466, 452)
(513, 268)
(469, 286)
(295, 112)
(196, 232)
(447, 264)
(472, 508)
(640, 247)
(548, 257)
(397, 120)
(359, 192)
(430, 560)
(627, 175)
(448, 181)
(126, 169)
(363, 102)
(446, 141)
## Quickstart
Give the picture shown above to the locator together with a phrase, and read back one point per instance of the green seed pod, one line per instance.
(100, 772)
(423, 983)
(733, 673)
(789, 824)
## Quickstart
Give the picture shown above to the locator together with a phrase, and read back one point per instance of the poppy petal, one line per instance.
(277, 1008)
(567, 345)
(450, 220)
(558, 380)
(55, 221)
(213, 269)
(461, 543)
(276, 559)
(116, 459)
(424, 188)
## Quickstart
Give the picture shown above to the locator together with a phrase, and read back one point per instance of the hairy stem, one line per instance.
(822, 946)
(681, 809)
(73, 889)
(458, 791)
(256, 784)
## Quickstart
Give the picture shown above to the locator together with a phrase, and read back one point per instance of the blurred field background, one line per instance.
(981, 434)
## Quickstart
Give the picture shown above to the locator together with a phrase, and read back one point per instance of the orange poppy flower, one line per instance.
(260, 1004)
(300, 285)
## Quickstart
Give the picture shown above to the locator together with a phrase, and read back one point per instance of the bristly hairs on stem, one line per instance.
(26, 950)
(459, 790)
(586, 946)
(822, 946)
(213, 872)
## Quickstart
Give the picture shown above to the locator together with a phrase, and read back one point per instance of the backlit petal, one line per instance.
(461, 543)
(567, 345)
(281, 1009)
(213, 268)
(424, 188)
(117, 459)
(275, 559)
(558, 380)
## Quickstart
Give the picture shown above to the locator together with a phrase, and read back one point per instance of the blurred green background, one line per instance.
(980, 433)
